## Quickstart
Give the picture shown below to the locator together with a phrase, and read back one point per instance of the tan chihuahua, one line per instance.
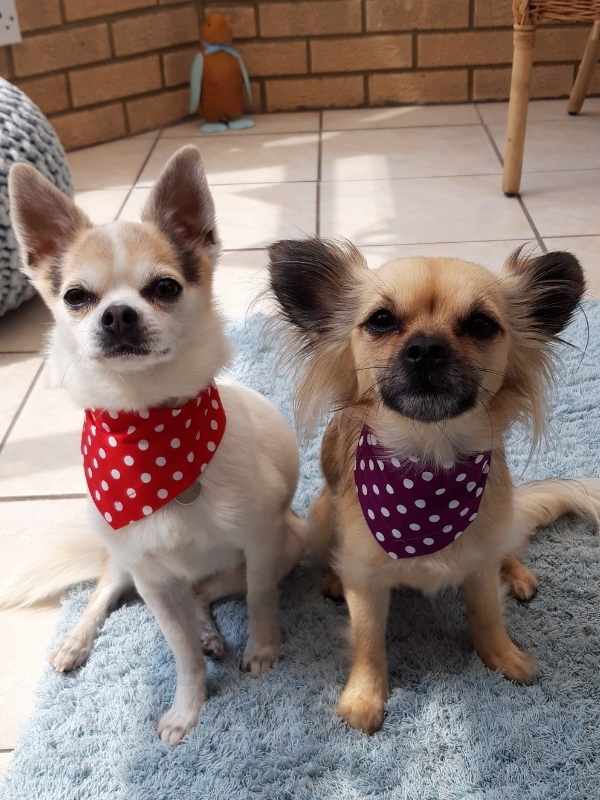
(425, 363)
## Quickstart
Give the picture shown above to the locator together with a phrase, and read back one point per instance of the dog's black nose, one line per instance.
(426, 351)
(120, 320)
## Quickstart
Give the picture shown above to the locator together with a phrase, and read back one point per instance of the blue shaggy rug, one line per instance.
(453, 730)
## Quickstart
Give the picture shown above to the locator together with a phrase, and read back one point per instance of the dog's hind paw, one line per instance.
(174, 725)
(213, 644)
(260, 658)
(72, 653)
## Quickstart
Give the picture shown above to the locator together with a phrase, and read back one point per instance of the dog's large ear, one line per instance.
(45, 222)
(317, 286)
(544, 292)
(181, 206)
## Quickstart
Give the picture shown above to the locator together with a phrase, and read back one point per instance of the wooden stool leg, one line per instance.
(524, 45)
(585, 71)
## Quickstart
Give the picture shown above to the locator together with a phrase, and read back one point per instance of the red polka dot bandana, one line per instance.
(413, 509)
(136, 462)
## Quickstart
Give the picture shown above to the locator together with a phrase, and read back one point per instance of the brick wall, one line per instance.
(102, 69)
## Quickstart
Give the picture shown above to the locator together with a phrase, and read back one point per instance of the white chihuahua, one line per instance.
(189, 481)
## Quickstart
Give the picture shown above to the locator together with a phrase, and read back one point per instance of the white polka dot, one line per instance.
(364, 489)
(465, 511)
(362, 463)
(175, 443)
(479, 458)
(214, 404)
(486, 468)
(371, 465)
(393, 555)
(190, 457)
(448, 465)
(144, 414)
(162, 493)
(458, 535)
(128, 461)
(361, 440)
(472, 517)
(420, 503)
(410, 549)
(89, 440)
(414, 526)
(373, 439)
(370, 514)
(414, 459)
(115, 473)
(385, 512)
(89, 472)
(85, 450)
(108, 516)
(106, 427)
(93, 429)
(188, 423)
(143, 444)
(160, 461)
(471, 485)
(104, 486)
(389, 489)
(407, 483)
(461, 477)
(479, 491)
(159, 428)
(131, 429)
(102, 452)
(434, 518)
(177, 476)
(176, 412)
(453, 504)
(427, 476)
(395, 462)
(113, 414)
(147, 510)
(380, 537)
(401, 509)
(118, 505)
(447, 528)
(396, 533)
(130, 493)
(202, 468)
(95, 463)
(440, 491)
(211, 446)
(112, 441)
(381, 465)
(146, 477)
(428, 541)
(214, 425)
(97, 495)
(376, 488)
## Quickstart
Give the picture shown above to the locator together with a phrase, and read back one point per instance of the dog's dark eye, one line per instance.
(480, 326)
(382, 321)
(165, 289)
(78, 297)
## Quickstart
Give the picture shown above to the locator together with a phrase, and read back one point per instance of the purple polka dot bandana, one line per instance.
(413, 509)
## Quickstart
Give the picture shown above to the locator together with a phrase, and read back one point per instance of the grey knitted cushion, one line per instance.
(25, 135)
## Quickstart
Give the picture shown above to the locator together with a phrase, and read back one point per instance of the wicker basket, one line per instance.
(527, 12)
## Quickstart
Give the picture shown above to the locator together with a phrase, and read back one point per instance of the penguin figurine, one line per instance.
(219, 81)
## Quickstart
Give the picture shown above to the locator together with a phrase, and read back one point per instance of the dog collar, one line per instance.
(414, 509)
(136, 462)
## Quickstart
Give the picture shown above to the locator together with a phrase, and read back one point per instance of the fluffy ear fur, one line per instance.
(543, 293)
(317, 287)
(45, 222)
(181, 206)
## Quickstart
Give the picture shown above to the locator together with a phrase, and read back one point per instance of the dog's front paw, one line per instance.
(361, 709)
(260, 658)
(175, 724)
(72, 653)
(513, 663)
(213, 644)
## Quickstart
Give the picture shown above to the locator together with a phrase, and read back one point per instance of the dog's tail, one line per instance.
(48, 568)
(540, 503)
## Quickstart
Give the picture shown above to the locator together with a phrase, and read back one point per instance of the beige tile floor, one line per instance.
(403, 181)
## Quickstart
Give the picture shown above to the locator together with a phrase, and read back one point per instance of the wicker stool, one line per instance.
(527, 13)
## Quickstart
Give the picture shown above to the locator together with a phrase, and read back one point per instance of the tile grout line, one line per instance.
(138, 176)
(524, 209)
(12, 498)
(319, 177)
(17, 413)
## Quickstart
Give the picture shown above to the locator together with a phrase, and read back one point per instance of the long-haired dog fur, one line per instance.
(351, 329)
